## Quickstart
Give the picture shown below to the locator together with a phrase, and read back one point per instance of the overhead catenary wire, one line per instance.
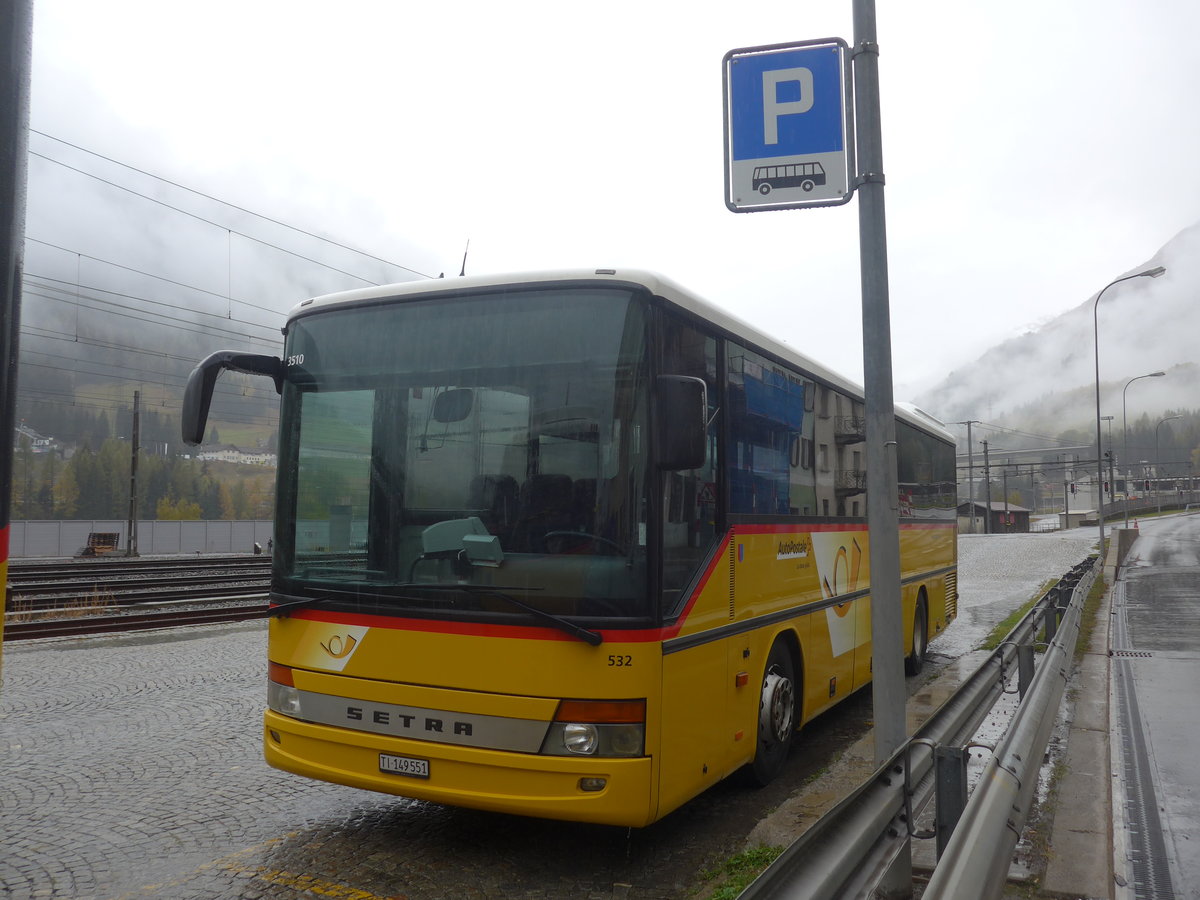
(163, 278)
(155, 379)
(234, 206)
(1004, 429)
(45, 291)
(118, 315)
(206, 221)
(179, 325)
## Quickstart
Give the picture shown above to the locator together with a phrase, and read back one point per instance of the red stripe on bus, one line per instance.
(472, 629)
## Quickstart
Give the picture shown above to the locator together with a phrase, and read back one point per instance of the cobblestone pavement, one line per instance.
(131, 767)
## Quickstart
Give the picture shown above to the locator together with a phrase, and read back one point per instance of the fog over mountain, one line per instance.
(1045, 379)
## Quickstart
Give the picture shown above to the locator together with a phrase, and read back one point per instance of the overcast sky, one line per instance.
(1034, 150)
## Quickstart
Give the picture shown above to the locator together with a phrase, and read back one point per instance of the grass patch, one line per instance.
(1089, 616)
(1000, 632)
(738, 871)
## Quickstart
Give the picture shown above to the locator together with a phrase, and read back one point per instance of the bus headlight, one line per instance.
(282, 695)
(600, 728)
(578, 738)
(283, 699)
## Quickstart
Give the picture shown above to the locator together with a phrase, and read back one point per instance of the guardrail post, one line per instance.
(1064, 600)
(1050, 620)
(1024, 668)
(950, 781)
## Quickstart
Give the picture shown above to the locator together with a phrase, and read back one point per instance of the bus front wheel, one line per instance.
(776, 715)
(807, 186)
(915, 661)
(764, 189)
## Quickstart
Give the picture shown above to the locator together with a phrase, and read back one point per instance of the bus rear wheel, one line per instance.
(776, 715)
(915, 661)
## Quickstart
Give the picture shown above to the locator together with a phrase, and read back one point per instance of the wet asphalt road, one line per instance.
(131, 767)
(1156, 678)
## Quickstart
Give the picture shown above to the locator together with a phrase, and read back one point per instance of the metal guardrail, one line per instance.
(975, 864)
(863, 843)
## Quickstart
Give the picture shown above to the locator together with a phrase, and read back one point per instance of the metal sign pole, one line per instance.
(882, 494)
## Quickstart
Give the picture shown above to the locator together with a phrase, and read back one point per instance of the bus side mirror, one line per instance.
(453, 405)
(681, 417)
(197, 396)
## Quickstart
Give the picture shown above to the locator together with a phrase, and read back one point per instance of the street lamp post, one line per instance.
(1125, 434)
(1149, 273)
(1158, 461)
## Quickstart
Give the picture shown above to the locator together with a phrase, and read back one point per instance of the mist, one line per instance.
(1044, 380)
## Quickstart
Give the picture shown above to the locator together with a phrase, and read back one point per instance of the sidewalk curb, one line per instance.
(1080, 850)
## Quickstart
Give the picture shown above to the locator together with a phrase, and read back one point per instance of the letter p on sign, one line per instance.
(773, 107)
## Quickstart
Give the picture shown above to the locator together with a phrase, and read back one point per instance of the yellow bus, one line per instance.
(574, 544)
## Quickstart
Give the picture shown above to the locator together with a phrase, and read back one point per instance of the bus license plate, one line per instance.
(404, 765)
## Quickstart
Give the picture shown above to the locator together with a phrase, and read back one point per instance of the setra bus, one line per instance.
(574, 545)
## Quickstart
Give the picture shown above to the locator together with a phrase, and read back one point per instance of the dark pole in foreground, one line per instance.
(16, 28)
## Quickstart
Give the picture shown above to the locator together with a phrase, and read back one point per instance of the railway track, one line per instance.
(134, 621)
(97, 596)
(26, 571)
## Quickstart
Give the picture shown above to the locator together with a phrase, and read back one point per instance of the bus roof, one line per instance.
(657, 284)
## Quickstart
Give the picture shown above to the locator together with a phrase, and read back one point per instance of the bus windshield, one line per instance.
(467, 456)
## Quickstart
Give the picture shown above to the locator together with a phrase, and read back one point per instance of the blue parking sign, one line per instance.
(787, 126)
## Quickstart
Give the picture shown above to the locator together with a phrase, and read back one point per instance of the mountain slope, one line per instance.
(1144, 325)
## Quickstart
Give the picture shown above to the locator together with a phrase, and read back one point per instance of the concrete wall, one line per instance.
(54, 538)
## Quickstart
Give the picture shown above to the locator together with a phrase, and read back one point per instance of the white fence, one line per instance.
(49, 538)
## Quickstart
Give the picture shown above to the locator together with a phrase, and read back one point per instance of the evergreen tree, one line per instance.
(66, 495)
(21, 505)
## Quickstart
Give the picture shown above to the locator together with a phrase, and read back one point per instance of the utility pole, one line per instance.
(1006, 497)
(987, 486)
(970, 469)
(131, 548)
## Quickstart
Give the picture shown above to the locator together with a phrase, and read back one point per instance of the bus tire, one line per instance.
(915, 661)
(776, 715)
(764, 189)
(807, 186)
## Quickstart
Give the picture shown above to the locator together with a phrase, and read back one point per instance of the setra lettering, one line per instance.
(398, 721)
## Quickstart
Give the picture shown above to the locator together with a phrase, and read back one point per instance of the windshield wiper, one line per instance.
(282, 609)
(584, 634)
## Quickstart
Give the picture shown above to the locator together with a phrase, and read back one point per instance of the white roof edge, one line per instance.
(930, 421)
